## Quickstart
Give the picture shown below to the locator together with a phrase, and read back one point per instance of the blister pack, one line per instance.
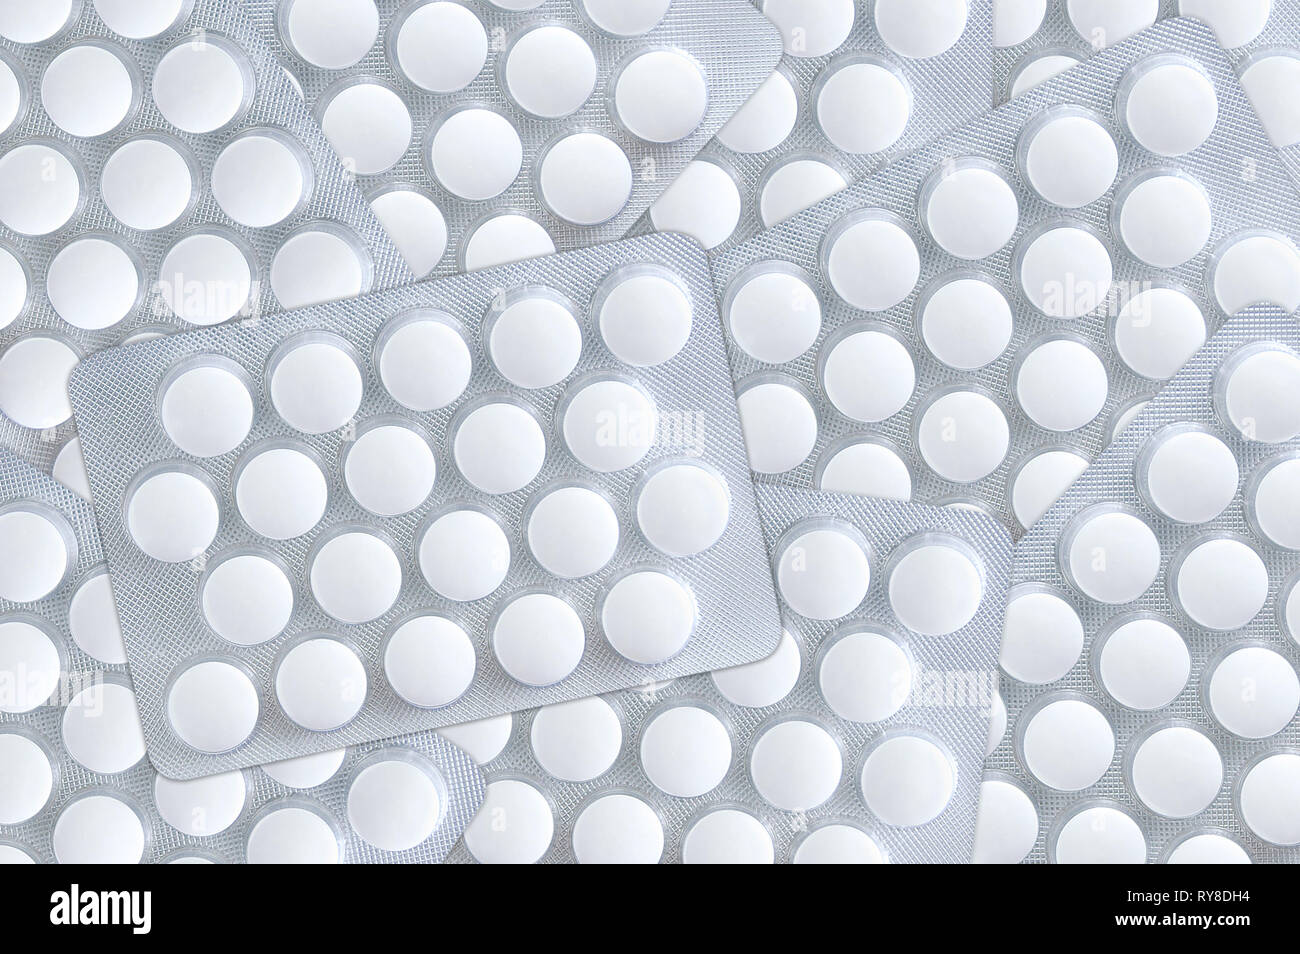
(446, 501)
(861, 82)
(975, 321)
(486, 131)
(75, 785)
(1151, 643)
(860, 740)
(156, 172)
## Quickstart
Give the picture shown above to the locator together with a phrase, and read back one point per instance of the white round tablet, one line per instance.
(765, 120)
(34, 553)
(93, 622)
(997, 724)
(872, 261)
(1006, 826)
(1036, 69)
(1266, 78)
(963, 436)
(1221, 583)
(774, 314)
(390, 469)
(703, 202)
(1267, 799)
(811, 28)
(1165, 219)
(796, 765)
(201, 807)
(1111, 555)
(13, 95)
(1067, 744)
(280, 491)
(1061, 384)
(969, 208)
(1273, 503)
(907, 780)
(355, 576)
(293, 834)
(15, 287)
(330, 34)
(484, 739)
(440, 47)
(306, 771)
(429, 661)
(172, 515)
(368, 125)
(779, 424)
(685, 751)
(792, 185)
(867, 468)
(1207, 849)
(727, 836)
(1104, 23)
(577, 741)
(1176, 771)
(683, 509)
(1253, 692)
(865, 676)
(868, 375)
(1235, 22)
(1169, 105)
(201, 85)
(920, 29)
(424, 362)
(619, 17)
(648, 616)
(205, 279)
(260, 178)
(476, 153)
(1065, 271)
(837, 844)
(1144, 663)
(1259, 391)
(33, 23)
(1157, 331)
(315, 383)
(70, 468)
(1042, 638)
(935, 588)
(415, 224)
(1098, 834)
(88, 90)
(514, 826)
(321, 684)
(394, 804)
(550, 71)
(534, 340)
(1041, 481)
(213, 706)
(26, 778)
(863, 106)
(99, 829)
(609, 424)
(139, 19)
(93, 283)
(505, 237)
(247, 598)
(618, 829)
(31, 666)
(34, 372)
(823, 573)
(316, 265)
(499, 447)
(1069, 157)
(645, 316)
(40, 189)
(147, 183)
(1189, 475)
(763, 683)
(464, 555)
(1015, 21)
(538, 638)
(660, 95)
(101, 728)
(207, 408)
(585, 178)
(572, 531)
(966, 322)
(1256, 267)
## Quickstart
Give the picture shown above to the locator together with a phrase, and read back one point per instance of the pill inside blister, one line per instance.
(703, 202)
(172, 515)
(867, 468)
(207, 409)
(505, 237)
(1268, 797)
(291, 834)
(920, 29)
(1176, 771)
(1165, 219)
(935, 588)
(1041, 480)
(823, 573)
(648, 616)
(572, 531)
(260, 178)
(88, 89)
(1015, 21)
(390, 469)
(321, 684)
(14, 288)
(40, 188)
(499, 447)
(205, 278)
(1207, 849)
(795, 184)
(429, 661)
(395, 803)
(538, 638)
(93, 622)
(1235, 24)
(1067, 744)
(93, 283)
(1037, 69)
(1099, 834)
(1061, 384)
(1069, 157)
(355, 576)
(528, 836)
(863, 107)
(970, 209)
(247, 598)
(779, 423)
(99, 829)
(201, 85)
(872, 261)
(1111, 555)
(1271, 502)
(576, 741)
(101, 729)
(484, 739)
(775, 316)
(441, 47)
(201, 806)
(12, 97)
(1157, 331)
(1259, 394)
(1189, 476)
(963, 436)
(415, 224)
(476, 153)
(368, 125)
(280, 491)
(837, 844)
(307, 771)
(610, 424)
(26, 778)
(464, 555)
(1006, 827)
(1065, 271)
(32, 23)
(619, 17)
(811, 29)
(683, 509)
(966, 322)
(1104, 23)
(907, 780)
(1042, 638)
(424, 362)
(765, 120)
(139, 19)
(1253, 692)
(867, 374)
(765, 682)
(30, 665)
(1257, 267)
(685, 751)
(796, 765)
(316, 265)
(727, 836)
(661, 95)
(534, 339)
(331, 34)
(1144, 663)
(865, 676)
(315, 384)
(1169, 105)
(35, 553)
(213, 706)
(618, 829)
(1221, 583)
(585, 178)
(645, 317)
(1266, 78)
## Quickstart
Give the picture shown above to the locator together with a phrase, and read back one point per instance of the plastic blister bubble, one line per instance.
(873, 353)
(1166, 719)
(549, 515)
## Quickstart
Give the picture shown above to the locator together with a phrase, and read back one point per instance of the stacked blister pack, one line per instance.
(423, 499)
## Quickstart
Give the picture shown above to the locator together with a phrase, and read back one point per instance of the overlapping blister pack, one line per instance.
(447, 501)
(976, 321)
(1151, 638)
(75, 786)
(156, 172)
(859, 741)
(861, 82)
(488, 131)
